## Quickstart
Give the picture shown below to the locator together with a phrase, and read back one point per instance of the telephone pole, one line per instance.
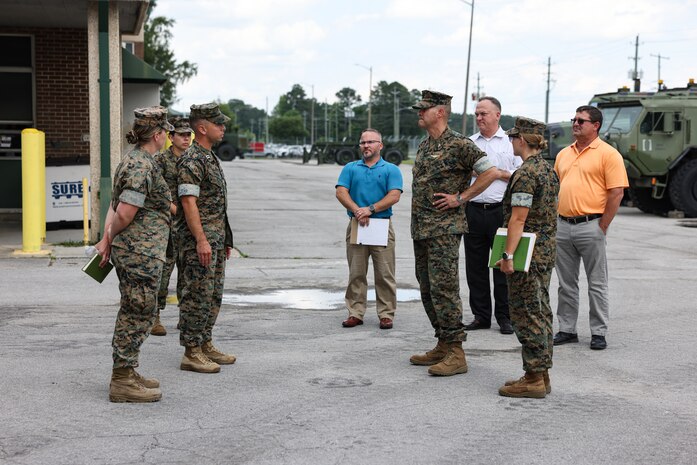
(635, 75)
(549, 66)
(395, 130)
(660, 57)
(467, 73)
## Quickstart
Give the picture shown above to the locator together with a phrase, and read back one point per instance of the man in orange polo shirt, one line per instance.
(592, 179)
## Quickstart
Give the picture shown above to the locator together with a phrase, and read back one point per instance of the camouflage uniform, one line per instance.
(534, 186)
(138, 252)
(168, 163)
(200, 175)
(442, 165)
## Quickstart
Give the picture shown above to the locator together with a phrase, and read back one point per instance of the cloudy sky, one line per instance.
(256, 50)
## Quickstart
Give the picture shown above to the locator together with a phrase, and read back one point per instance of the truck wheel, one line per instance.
(344, 156)
(683, 189)
(226, 152)
(642, 199)
(394, 157)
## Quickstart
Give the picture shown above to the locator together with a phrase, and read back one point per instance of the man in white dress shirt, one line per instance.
(484, 216)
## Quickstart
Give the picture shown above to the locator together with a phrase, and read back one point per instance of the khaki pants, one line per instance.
(384, 269)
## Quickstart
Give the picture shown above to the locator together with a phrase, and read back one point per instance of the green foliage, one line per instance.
(287, 127)
(157, 37)
(247, 116)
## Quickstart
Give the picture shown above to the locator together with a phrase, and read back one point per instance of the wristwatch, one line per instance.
(507, 256)
(371, 208)
(459, 199)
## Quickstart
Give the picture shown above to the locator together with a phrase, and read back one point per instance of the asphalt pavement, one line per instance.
(307, 391)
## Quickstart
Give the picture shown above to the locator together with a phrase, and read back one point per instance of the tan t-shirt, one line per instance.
(585, 178)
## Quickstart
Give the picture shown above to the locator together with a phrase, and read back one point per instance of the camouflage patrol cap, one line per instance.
(152, 117)
(181, 124)
(430, 99)
(527, 126)
(209, 111)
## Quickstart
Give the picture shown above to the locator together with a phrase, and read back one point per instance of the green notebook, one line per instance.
(92, 268)
(522, 255)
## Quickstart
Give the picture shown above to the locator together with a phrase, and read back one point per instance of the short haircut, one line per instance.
(195, 122)
(595, 114)
(447, 109)
(372, 130)
(493, 100)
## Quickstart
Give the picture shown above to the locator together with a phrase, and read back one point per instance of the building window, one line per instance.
(16, 92)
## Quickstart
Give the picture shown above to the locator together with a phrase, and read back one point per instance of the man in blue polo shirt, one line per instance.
(368, 188)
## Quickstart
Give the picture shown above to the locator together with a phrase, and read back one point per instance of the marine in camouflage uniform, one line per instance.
(441, 173)
(167, 159)
(138, 252)
(136, 229)
(200, 176)
(534, 186)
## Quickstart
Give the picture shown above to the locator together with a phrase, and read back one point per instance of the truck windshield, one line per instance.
(619, 118)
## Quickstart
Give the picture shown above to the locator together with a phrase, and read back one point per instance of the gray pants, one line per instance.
(576, 242)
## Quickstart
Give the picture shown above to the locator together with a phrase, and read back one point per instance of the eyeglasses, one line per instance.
(369, 142)
(580, 121)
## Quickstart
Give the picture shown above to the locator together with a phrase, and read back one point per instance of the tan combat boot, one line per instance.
(530, 385)
(157, 328)
(125, 387)
(431, 357)
(454, 362)
(545, 378)
(147, 382)
(212, 352)
(195, 360)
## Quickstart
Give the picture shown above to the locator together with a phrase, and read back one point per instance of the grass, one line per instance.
(71, 244)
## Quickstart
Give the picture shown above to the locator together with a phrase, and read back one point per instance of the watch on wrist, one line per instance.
(371, 208)
(459, 199)
(507, 256)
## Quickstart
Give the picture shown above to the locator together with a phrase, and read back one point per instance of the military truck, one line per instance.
(343, 153)
(558, 136)
(656, 133)
(233, 145)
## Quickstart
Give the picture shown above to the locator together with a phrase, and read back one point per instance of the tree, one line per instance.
(157, 37)
(348, 97)
(295, 99)
(287, 127)
(246, 114)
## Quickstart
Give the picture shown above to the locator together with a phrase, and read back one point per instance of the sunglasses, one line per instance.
(580, 121)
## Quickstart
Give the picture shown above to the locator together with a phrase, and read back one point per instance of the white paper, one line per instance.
(375, 233)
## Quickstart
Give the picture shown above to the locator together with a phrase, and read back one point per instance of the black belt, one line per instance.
(485, 206)
(580, 219)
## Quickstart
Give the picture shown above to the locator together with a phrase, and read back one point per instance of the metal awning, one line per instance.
(134, 70)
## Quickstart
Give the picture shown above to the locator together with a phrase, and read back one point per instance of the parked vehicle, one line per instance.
(232, 146)
(343, 153)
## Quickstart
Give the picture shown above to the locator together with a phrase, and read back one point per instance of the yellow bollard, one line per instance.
(85, 212)
(42, 182)
(33, 191)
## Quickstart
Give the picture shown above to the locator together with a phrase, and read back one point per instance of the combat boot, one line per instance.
(454, 362)
(212, 352)
(126, 387)
(530, 385)
(147, 382)
(431, 357)
(195, 360)
(157, 328)
(545, 378)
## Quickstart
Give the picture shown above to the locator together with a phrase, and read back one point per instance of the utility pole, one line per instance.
(266, 140)
(326, 121)
(395, 131)
(312, 116)
(660, 57)
(635, 76)
(467, 73)
(549, 66)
